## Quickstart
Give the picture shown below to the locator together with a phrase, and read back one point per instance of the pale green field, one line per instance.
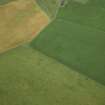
(27, 77)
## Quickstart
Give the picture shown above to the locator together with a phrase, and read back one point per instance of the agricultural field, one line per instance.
(64, 64)
(20, 21)
(77, 38)
(28, 77)
(2, 2)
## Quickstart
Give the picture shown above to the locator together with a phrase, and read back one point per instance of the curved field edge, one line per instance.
(29, 77)
(50, 7)
(77, 38)
(23, 21)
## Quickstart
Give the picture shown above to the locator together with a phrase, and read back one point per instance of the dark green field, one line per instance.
(77, 38)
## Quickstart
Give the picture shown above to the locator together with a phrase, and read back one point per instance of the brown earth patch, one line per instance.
(20, 21)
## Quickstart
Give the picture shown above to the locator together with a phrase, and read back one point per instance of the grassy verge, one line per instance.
(51, 7)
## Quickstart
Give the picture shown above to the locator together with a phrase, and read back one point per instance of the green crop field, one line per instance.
(77, 38)
(28, 77)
